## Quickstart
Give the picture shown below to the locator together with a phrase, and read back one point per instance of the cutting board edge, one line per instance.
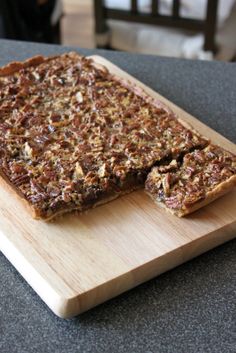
(29, 273)
(73, 306)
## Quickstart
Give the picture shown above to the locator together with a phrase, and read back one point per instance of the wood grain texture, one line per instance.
(79, 261)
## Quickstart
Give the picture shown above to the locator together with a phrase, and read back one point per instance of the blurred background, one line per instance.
(198, 29)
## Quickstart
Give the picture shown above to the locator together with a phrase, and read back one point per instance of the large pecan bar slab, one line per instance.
(203, 176)
(73, 136)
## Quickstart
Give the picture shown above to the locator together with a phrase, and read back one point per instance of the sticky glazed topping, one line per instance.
(70, 130)
(181, 186)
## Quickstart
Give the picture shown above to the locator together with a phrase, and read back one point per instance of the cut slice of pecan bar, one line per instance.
(203, 176)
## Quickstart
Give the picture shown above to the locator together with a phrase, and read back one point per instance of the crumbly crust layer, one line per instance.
(203, 176)
(72, 134)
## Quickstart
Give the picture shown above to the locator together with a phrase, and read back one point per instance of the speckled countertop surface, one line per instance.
(189, 309)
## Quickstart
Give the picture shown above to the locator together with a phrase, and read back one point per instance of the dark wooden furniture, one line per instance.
(25, 20)
(206, 26)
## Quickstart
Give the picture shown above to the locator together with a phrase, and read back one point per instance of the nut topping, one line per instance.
(28, 151)
(70, 130)
(201, 172)
(78, 171)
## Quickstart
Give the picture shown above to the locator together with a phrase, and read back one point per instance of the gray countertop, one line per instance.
(189, 309)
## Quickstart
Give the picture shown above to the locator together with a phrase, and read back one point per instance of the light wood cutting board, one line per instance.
(80, 261)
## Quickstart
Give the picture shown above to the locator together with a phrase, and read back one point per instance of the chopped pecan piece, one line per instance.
(79, 173)
(79, 97)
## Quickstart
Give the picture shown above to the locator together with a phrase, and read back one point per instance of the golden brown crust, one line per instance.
(211, 196)
(12, 190)
(15, 66)
(75, 209)
(219, 191)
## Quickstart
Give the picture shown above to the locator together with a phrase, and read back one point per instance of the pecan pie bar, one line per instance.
(73, 136)
(203, 176)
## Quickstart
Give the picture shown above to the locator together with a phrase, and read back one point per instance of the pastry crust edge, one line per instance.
(36, 60)
(16, 194)
(220, 190)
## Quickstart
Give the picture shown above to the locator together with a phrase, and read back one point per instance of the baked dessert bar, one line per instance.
(73, 136)
(202, 176)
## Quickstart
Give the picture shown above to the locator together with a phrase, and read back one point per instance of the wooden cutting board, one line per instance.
(80, 261)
